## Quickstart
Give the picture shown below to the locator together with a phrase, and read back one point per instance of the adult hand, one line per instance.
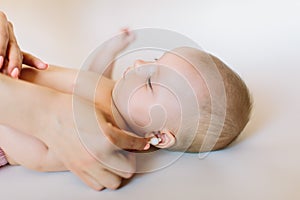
(11, 57)
(72, 129)
(89, 146)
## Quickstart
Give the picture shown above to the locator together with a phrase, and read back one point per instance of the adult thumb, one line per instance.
(126, 140)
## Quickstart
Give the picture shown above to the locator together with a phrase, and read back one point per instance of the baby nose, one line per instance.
(138, 63)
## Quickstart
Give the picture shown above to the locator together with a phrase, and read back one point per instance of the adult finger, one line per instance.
(4, 37)
(14, 54)
(122, 173)
(121, 163)
(14, 61)
(104, 177)
(18, 57)
(126, 140)
(88, 180)
(33, 61)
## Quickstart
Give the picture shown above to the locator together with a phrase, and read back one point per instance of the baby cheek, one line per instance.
(153, 110)
(139, 107)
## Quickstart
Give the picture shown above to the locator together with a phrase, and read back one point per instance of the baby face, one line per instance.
(147, 95)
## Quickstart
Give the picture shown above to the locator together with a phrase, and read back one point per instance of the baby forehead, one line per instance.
(190, 65)
(174, 58)
(181, 65)
(181, 61)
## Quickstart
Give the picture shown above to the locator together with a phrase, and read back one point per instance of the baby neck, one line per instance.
(105, 103)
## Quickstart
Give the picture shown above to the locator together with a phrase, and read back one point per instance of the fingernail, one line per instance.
(43, 65)
(147, 147)
(1, 61)
(15, 73)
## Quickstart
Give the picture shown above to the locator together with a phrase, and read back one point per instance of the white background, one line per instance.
(260, 40)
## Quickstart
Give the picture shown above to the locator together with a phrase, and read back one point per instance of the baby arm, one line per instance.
(65, 79)
(89, 86)
(107, 52)
(25, 150)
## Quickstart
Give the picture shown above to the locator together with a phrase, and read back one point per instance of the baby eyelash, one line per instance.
(149, 82)
(155, 59)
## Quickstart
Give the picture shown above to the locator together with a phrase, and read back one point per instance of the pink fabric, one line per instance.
(3, 160)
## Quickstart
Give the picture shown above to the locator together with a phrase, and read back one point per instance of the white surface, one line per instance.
(258, 39)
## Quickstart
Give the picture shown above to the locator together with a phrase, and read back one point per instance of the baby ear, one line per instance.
(166, 139)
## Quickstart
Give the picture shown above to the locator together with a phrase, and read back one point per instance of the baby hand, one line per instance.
(109, 50)
(119, 42)
(128, 36)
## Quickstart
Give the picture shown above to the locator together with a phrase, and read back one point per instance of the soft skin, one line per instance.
(55, 136)
(140, 119)
(141, 102)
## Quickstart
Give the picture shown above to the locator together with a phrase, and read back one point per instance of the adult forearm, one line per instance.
(24, 105)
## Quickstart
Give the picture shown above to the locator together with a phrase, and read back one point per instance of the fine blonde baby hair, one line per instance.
(237, 111)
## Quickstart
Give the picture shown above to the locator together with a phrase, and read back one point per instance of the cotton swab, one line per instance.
(155, 141)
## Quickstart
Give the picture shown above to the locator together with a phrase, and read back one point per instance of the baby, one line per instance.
(187, 100)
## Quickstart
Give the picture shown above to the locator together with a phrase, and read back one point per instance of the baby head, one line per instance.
(178, 97)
